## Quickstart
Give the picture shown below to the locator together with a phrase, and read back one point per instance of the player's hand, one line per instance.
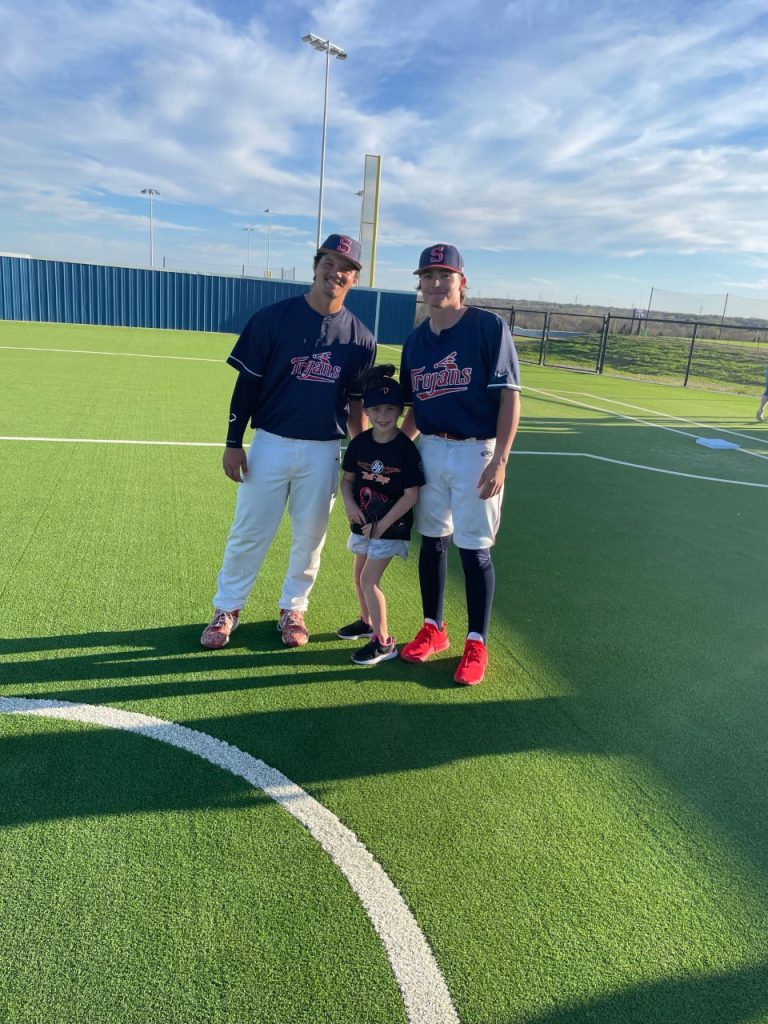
(235, 464)
(369, 530)
(491, 480)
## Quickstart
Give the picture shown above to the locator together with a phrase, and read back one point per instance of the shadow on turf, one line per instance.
(152, 655)
(311, 745)
(70, 773)
(734, 998)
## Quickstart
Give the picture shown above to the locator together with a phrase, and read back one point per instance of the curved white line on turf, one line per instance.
(425, 994)
(649, 469)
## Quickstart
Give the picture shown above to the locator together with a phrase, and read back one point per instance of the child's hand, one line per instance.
(369, 530)
(354, 513)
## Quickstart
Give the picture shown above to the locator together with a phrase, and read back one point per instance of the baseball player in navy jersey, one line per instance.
(460, 374)
(300, 363)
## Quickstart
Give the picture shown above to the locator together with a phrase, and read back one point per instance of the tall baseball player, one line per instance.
(301, 364)
(459, 372)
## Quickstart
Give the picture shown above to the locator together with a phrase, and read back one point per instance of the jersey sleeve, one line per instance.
(349, 462)
(505, 368)
(243, 405)
(366, 361)
(253, 347)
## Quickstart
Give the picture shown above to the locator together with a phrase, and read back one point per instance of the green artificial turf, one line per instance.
(581, 838)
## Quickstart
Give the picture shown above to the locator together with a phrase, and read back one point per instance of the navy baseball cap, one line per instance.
(384, 391)
(345, 246)
(441, 256)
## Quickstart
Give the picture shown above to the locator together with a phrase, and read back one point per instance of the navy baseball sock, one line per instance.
(433, 569)
(480, 583)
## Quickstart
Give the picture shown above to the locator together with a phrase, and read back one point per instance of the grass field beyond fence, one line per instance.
(579, 840)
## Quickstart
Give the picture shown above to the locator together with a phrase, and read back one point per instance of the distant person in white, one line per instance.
(763, 399)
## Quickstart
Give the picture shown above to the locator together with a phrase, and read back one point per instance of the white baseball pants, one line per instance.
(449, 501)
(281, 470)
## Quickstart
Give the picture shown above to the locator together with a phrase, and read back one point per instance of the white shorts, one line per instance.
(378, 547)
(449, 501)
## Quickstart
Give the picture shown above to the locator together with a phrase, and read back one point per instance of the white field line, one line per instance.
(606, 412)
(110, 440)
(131, 355)
(558, 396)
(581, 455)
(649, 469)
(679, 419)
(425, 994)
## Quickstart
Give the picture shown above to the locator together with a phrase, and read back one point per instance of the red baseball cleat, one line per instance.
(291, 625)
(218, 631)
(473, 664)
(428, 641)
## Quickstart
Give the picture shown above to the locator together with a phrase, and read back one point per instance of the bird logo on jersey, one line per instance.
(317, 367)
(445, 378)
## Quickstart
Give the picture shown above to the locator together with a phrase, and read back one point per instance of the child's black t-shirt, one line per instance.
(382, 473)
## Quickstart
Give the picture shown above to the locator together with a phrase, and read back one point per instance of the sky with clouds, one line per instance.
(573, 150)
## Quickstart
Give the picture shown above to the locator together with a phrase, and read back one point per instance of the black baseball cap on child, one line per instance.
(381, 388)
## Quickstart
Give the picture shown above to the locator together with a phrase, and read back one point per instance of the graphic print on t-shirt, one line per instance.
(372, 503)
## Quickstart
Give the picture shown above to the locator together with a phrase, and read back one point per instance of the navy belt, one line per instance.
(454, 437)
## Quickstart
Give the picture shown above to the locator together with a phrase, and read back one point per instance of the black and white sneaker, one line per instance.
(374, 652)
(357, 630)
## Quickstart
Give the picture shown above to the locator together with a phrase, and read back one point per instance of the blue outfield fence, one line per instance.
(84, 293)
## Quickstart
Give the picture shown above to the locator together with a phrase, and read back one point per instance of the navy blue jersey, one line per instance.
(454, 379)
(308, 365)
(382, 473)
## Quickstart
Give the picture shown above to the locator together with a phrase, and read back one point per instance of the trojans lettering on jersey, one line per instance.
(318, 366)
(445, 378)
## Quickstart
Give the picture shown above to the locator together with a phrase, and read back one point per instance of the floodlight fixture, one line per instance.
(324, 46)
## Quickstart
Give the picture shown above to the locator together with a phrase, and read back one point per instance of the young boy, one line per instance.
(380, 485)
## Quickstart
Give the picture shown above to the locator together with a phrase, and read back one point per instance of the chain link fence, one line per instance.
(708, 354)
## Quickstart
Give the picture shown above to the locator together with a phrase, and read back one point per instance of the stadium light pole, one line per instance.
(249, 229)
(329, 49)
(149, 193)
(268, 212)
(361, 196)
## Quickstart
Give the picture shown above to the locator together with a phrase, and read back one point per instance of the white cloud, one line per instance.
(555, 126)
